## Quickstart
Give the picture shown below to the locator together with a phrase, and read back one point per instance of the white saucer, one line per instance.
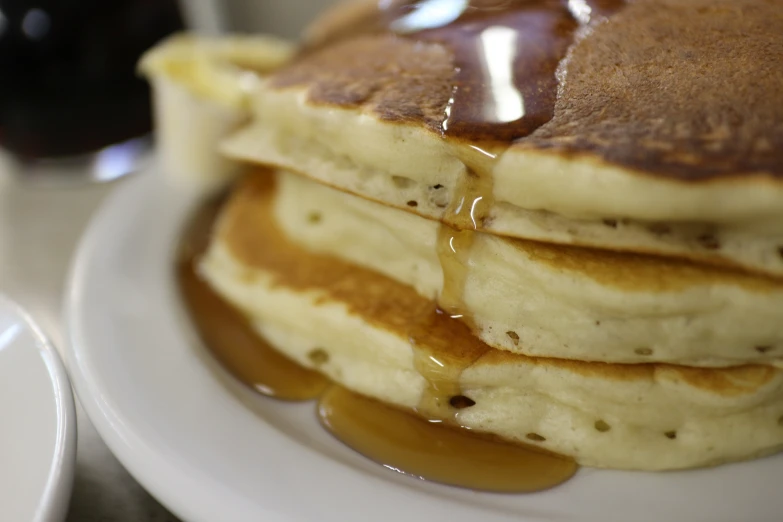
(37, 423)
(212, 450)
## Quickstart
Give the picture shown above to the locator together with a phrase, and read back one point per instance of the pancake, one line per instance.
(544, 299)
(639, 130)
(360, 323)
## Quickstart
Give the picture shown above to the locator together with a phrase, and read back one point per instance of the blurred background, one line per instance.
(71, 103)
(281, 17)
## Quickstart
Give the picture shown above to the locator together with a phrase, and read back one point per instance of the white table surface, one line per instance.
(39, 230)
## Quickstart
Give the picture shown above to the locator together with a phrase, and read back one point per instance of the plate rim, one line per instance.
(56, 495)
(85, 387)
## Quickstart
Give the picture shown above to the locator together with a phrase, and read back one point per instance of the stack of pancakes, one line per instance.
(560, 222)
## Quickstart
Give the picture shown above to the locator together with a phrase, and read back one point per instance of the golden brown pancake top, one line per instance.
(688, 89)
(247, 228)
(681, 89)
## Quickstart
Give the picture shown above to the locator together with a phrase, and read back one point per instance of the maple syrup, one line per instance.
(438, 451)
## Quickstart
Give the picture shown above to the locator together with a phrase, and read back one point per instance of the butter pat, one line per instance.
(201, 92)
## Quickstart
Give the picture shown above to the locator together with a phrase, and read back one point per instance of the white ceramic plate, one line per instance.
(211, 450)
(37, 423)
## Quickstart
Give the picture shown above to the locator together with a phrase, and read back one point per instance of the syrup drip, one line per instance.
(440, 360)
(469, 207)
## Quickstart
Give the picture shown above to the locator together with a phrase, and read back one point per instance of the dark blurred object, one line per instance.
(69, 85)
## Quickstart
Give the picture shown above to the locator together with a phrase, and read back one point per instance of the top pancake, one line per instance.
(651, 126)
(685, 90)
